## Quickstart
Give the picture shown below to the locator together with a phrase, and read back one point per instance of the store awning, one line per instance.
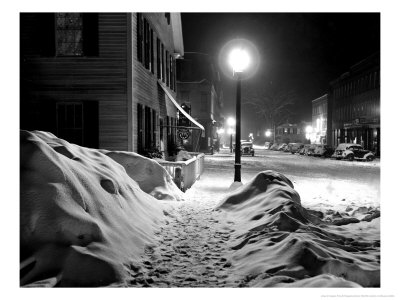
(179, 107)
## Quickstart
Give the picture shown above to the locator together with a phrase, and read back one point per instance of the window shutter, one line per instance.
(46, 34)
(90, 34)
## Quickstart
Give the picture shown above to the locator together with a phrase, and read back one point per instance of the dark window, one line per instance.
(70, 122)
(159, 66)
(167, 72)
(171, 72)
(148, 130)
(139, 29)
(154, 119)
(151, 52)
(161, 129)
(140, 127)
(163, 62)
(146, 44)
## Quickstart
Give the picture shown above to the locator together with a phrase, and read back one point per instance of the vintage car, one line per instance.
(295, 147)
(274, 147)
(323, 151)
(304, 150)
(311, 149)
(282, 147)
(352, 151)
(246, 148)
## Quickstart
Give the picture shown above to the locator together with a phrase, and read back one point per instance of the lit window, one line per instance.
(69, 34)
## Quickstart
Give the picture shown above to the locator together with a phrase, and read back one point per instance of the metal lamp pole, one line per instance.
(238, 112)
(231, 145)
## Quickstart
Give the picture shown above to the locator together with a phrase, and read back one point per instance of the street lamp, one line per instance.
(239, 60)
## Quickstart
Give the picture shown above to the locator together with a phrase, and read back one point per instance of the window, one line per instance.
(139, 29)
(70, 122)
(167, 65)
(140, 127)
(69, 37)
(151, 51)
(147, 128)
(171, 72)
(146, 44)
(163, 63)
(159, 66)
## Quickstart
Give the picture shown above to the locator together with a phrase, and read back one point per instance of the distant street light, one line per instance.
(309, 131)
(231, 121)
(268, 133)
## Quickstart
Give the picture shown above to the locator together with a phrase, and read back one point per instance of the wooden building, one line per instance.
(199, 89)
(356, 105)
(291, 133)
(101, 80)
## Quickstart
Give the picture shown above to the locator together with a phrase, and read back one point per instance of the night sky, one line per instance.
(302, 51)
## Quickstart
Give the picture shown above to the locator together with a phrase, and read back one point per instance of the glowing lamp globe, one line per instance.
(231, 121)
(239, 60)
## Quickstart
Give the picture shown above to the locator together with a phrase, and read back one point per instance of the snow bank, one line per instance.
(83, 220)
(149, 174)
(277, 242)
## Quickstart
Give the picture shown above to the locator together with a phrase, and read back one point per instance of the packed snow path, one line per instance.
(191, 250)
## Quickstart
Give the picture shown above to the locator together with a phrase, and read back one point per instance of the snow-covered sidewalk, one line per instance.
(191, 249)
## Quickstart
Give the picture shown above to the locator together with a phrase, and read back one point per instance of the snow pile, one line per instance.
(83, 220)
(277, 242)
(149, 174)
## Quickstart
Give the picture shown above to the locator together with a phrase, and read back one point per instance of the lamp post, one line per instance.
(239, 61)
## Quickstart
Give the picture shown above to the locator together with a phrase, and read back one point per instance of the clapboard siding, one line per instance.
(144, 83)
(101, 78)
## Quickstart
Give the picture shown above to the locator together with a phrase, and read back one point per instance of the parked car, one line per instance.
(323, 151)
(311, 149)
(295, 147)
(352, 151)
(267, 145)
(246, 148)
(282, 147)
(304, 150)
(274, 147)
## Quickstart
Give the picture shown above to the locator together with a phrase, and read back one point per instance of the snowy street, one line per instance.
(195, 246)
(320, 182)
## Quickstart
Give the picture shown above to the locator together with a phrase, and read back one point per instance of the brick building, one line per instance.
(101, 80)
(356, 105)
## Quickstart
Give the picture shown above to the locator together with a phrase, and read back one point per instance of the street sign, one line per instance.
(183, 134)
